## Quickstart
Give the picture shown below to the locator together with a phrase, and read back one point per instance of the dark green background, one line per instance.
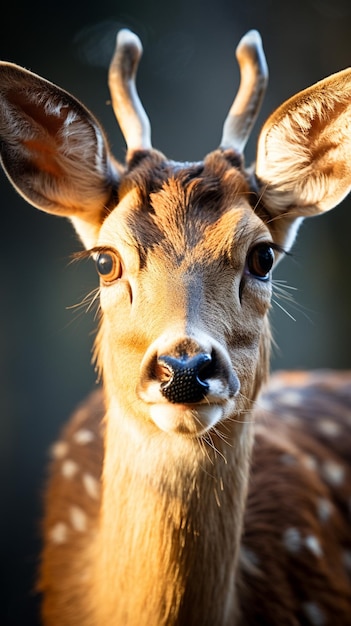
(187, 81)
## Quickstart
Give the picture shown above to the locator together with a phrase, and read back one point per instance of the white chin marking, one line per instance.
(185, 420)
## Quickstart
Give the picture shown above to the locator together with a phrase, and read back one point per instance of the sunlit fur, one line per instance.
(185, 520)
(298, 173)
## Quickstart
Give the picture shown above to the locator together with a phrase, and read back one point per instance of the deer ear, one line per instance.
(304, 154)
(54, 151)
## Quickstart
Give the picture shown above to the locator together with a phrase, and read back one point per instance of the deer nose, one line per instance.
(184, 379)
(187, 371)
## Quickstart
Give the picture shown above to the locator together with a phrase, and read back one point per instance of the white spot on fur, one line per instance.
(310, 462)
(92, 486)
(294, 542)
(78, 519)
(312, 543)
(265, 403)
(333, 473)
(314, 613)
(329, 427)
(324, 509)
(293, 398)
(83, 436)
(292, 539)
(59, 449)
(249, 561)
(58, 534)
(69, 468)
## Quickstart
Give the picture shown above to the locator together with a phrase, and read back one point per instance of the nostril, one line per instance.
(162, 371)
(183, 380)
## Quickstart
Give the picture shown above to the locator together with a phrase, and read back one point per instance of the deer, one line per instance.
(191, 488)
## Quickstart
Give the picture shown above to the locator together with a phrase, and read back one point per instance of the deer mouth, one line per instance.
(191, 420)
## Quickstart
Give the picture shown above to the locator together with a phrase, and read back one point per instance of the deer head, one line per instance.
(184, 251)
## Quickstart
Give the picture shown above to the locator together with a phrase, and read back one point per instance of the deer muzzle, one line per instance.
(187, 384)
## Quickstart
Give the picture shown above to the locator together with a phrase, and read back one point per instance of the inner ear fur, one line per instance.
(304, 150)
(54, 151)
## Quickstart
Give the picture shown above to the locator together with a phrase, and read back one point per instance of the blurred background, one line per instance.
(187, 81)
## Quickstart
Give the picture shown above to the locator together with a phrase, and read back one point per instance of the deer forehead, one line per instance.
(184, 219)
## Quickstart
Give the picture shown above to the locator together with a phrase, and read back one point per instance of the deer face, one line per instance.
(185, 287)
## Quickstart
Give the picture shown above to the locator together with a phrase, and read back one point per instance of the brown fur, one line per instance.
(227, 508)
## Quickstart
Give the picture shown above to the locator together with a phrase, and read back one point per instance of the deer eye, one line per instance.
(260, 261)
(109, 266)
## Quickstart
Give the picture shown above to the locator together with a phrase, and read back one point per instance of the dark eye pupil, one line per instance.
(104, 264)
(260, 261)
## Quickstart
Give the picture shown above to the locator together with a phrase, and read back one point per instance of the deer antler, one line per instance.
(245, 108)
(127, 106)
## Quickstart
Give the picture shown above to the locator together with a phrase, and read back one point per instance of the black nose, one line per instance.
(185, 377)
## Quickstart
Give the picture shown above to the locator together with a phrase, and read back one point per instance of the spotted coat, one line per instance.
(295, 558)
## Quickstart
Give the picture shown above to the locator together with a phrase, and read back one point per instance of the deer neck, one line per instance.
(165, 545)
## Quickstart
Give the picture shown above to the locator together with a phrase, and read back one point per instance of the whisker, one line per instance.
(222, 436)
(281, 292)
(207, 438)
(259, 198)
(204, 443)
(87, 302)
(284, 310)
(278, 284)
(237, 420)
